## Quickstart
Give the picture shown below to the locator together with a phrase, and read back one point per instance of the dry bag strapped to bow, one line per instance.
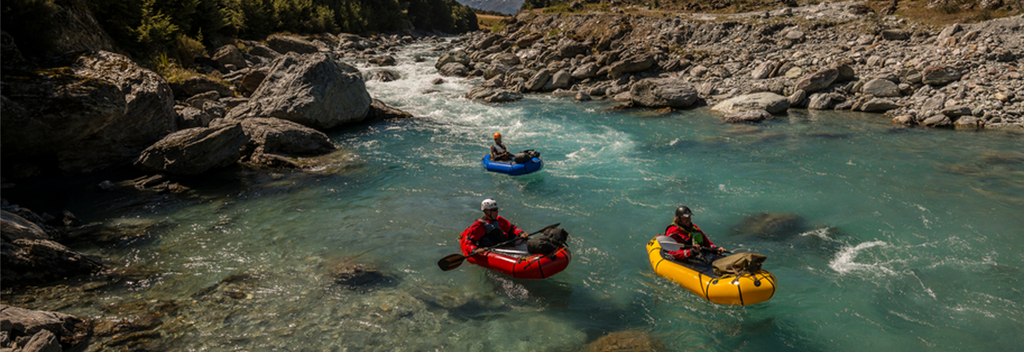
(740, 263)
(552, 240)
(525, 156)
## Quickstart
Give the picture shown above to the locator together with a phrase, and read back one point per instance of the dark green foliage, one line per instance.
(26, 21)
(147, 28)
(536, 4)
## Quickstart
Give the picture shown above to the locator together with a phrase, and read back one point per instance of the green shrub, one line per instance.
(186, 49)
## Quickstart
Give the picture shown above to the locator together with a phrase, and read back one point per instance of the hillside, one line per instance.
(504, 6)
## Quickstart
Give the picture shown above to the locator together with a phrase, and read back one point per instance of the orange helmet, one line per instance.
(497, 135)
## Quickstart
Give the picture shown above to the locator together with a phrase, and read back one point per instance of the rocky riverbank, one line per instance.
(831, 56)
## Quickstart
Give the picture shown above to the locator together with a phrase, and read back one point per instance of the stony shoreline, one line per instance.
(832, 56)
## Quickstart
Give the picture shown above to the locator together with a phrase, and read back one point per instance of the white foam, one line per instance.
(844, 261)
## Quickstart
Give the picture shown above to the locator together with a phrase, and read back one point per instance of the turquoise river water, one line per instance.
(881, 237)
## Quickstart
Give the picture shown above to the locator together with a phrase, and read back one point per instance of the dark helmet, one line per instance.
(684, 211)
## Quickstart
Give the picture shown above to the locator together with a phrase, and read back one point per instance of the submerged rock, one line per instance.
(29, 256)
(629, 340)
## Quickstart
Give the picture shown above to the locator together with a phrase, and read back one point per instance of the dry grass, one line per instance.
(491, 23)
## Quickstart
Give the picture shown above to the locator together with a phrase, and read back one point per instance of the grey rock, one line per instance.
(261, 50)
(878, 105)
(274, 141)
(230, 55)
(312, 90)
(383, 60)
(587, 70)
(763, 70)
(459, 56)
(285, 44)
(94, 111)
(559, 80)
(492, 95)
(538, 80)
(895, 34)
(798, 99)
(663, 92)
(25, 323)
(193, 117)
(631, 64)
(381, 112)
(948, 32)
(747, 116)
(43, 341)
(582, 96)
(969, 123)
(956, 111)
(820, 101)
(454, 69)
(937, 121)
(29, 255)
(940, 75)
(771, 102)
(881, 88)
(814, 82)
(251, 81)
(195, 150)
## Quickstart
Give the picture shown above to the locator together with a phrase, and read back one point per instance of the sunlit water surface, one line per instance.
(891, 238)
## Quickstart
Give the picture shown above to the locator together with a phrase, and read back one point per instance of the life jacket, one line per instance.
(493, 234)
(696, 236)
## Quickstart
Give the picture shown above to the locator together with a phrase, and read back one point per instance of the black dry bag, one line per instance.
(525, 156)
(552, 240)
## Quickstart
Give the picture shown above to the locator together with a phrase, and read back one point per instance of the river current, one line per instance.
(880, 236)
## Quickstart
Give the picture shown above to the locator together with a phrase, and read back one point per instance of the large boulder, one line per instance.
(459, 56)
(93, 111)
(312, 90)
(28, 256)
(454, 69)
(195, 150)
(285, 44)
(34, 330)
(275, 142)
(273, 135)
(771, 102)
(663, 92)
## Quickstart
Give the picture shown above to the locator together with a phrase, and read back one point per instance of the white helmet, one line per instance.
(488, 204)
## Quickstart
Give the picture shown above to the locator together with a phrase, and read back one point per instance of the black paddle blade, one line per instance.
(450, 262)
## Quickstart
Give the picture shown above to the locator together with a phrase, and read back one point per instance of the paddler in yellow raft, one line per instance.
(685, 255)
